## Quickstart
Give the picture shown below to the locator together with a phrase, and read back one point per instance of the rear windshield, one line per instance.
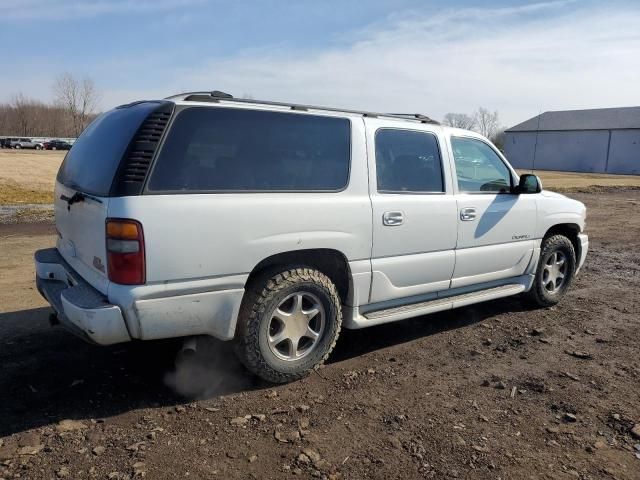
(224, 149)
(95, 156)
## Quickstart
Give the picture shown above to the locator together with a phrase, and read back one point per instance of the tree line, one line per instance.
(483, 121)
(76, 101)
(73, 108)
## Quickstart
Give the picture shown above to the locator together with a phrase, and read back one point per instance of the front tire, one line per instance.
(555, 271)
(288, 324)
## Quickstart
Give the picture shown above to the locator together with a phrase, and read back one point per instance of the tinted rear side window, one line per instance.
(95, 156)
(223, 149)
(408, 161)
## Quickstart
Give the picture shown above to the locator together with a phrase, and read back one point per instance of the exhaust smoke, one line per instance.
(206, 367)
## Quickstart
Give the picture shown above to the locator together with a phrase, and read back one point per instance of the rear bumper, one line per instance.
(584, 247)
(143, 312)
(80, 307)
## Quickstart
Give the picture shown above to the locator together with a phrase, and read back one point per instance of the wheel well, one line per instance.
(330, 262)
(569, 230)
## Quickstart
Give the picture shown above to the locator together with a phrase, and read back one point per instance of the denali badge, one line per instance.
(520, 237)
(98, 264)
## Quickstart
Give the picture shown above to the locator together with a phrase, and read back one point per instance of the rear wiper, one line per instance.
(77, 197)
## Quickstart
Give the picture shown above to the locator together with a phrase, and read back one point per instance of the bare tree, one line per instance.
(22, 114)
(29, 117)
(486, 123)
(498, 139)
(78, 97)
(33, 118)
(459, 120)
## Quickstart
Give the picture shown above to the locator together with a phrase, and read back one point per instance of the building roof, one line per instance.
(594, 119)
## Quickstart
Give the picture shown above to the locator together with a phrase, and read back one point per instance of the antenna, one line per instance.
(535, 145)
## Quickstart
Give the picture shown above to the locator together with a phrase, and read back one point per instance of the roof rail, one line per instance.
(218, 96)
(201, 96)
(414, 116)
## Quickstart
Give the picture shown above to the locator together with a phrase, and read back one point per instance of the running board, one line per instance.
(436, 305)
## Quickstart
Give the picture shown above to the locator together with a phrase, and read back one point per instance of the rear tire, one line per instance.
(288, 324)
(555, 271)
(17, 147)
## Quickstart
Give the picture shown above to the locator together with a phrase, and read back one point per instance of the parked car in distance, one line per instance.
(56, 145)
(6, 142)
(19, 143)
(274, 225)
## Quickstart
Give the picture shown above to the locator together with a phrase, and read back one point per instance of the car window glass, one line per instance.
(479, 168)
(95, 157)
(408, 161)
(230, 149)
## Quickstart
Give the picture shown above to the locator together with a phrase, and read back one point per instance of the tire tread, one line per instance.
(535, 294)
(259, 295)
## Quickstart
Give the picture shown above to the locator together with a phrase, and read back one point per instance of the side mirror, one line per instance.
(529, 184)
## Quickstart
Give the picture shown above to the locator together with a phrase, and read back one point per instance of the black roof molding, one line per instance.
(138, 102)
(217, 97)
(208, 97)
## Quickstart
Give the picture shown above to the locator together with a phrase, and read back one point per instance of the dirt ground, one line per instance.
(496, 391)
(571, 181)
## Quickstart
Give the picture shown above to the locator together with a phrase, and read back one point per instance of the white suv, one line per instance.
(19, 143)
(274, 225)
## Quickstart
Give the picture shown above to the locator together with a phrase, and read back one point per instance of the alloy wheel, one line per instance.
(554, 272)
(296, 326)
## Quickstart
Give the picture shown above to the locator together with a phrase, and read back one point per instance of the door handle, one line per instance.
(392, 219)
(468, 214)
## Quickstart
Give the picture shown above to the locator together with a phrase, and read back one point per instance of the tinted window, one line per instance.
(95, 156)
(408, 161)
(223, 149)
(478, 167)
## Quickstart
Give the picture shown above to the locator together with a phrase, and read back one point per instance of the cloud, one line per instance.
(518, 60)
(71, 9)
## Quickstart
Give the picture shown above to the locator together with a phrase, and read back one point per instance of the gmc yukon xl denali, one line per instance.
(274, 225)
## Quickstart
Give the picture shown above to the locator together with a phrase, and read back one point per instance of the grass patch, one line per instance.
(29, 215)
(14, 194)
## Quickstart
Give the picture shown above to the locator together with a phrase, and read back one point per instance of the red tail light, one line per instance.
(125, 252)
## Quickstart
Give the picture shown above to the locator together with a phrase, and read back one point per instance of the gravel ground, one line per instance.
(494, 391)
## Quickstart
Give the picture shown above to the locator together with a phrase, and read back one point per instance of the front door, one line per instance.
(495, 227)
(414, 211)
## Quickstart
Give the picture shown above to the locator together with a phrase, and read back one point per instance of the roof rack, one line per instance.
(413, 116)
(217, 96)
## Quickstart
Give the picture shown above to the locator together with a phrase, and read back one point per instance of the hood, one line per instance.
(550, 194)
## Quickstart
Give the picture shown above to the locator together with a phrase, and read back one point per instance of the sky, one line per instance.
(413, 56)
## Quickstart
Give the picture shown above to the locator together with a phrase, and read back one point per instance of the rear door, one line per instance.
(495, 227)
(83, 187)
(414, 210)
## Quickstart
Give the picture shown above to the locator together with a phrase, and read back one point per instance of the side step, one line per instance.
(440, 304)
